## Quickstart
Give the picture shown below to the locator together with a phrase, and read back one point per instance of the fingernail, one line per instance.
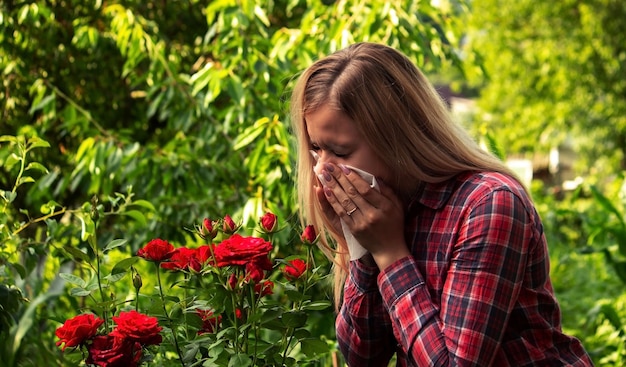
(329, 167)
(326, 175)
(315, 155)
(345, 169)
(328, 191)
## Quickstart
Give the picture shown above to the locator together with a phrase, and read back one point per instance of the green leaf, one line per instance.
(620, 269)
(260, 14)
(115, 243)
(136, 215)
(294, 295)
(24, 180)
(190, 354)
(144, 204)
(87, 227)
(112, 278)
(36, 142)
(19, 269)
(43, 103)
(239, 360)
(8, 138)
(8, 195)
(607, 204)
(76, 253)
(11, 160)
(124, 265)
(248, 136)
(27, 319)
(71, 278)
(609, 311)
(294, 319)
(36, 166)
(79, 292)
(92, 284)
(312, 347)
(200, 79)
(317, 305)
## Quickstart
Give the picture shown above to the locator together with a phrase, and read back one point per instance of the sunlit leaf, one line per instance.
(115, 243)
(71, 278)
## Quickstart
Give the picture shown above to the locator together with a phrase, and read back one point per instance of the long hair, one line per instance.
(401, 117)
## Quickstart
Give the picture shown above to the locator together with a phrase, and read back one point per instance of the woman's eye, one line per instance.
(339, 155)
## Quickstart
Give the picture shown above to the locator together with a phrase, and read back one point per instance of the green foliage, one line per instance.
(128, 120)
(585, 232)
(553, 72)
(157, 95)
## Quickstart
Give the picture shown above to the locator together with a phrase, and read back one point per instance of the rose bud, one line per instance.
(269, 222)
(295, 269)
(265, 288)
(229, 226)
(137, 283)
(209, 230)
(308, 235)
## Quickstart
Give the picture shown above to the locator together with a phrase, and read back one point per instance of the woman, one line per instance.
(456, 270)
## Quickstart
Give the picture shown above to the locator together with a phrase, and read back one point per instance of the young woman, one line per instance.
(456, 271)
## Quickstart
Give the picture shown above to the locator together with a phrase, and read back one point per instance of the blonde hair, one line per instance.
(401, 117)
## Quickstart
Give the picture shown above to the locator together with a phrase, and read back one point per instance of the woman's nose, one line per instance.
(320, 156)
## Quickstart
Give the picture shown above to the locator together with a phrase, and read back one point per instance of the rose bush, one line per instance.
(235, 301)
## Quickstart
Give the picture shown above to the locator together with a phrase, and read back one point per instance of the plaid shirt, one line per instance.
(475, 292)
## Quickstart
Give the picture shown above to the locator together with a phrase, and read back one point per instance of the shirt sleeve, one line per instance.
(481, 288)
(363, 327)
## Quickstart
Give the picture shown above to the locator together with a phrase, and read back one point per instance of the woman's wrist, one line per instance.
(384, 259)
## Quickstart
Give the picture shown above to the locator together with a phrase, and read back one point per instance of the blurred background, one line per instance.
(159, 114)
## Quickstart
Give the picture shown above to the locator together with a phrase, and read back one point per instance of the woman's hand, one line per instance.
(376, 219)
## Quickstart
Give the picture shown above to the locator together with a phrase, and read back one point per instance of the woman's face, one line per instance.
(336, 139)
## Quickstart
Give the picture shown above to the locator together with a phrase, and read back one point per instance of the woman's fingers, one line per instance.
(327, 209)
(347, 191)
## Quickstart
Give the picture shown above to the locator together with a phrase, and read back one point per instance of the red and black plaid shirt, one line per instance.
(475, 292)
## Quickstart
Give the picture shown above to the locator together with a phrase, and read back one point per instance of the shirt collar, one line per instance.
(434, 195)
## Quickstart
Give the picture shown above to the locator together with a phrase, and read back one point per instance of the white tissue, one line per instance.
(354, 247)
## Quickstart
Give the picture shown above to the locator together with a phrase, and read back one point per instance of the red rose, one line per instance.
(209, 230)
(205, 254)
(210, 322)
(156, 250)
(229, 226)
(254, 272)
(238, 250)
(183, 258)
(108, 351)
(78, 330)
(264, 289)
(308, 235)
(295, 269)
(137, 327)
(269, 222)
